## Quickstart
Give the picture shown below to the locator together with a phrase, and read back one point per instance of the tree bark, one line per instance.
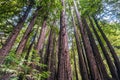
(82, 66)
(41, 38)
(89, 53)
(10, 41)
(50, 56)
(114, 55)
(98, 58)
(75, 65)
(31, 44)
(64, 67)
(108, 59)
(27, 33)
(49, 50)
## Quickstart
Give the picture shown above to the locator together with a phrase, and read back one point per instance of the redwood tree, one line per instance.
(89, 53)
(82, 66)
(64, 67)
(98, 58)
(108, 59)
(114, 55)
(27, 32)
(11, 39)
(41, 38)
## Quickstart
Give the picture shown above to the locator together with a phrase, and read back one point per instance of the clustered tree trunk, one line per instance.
(11, 40)
(83, 68)
(95, 75)
(27, 32)
(54, 51)
(114, 55)
(41, 38)
(98, 58)
(108, 59)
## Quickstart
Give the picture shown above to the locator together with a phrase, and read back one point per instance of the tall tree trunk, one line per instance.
(41, 38)
(10, 41)
(49, 50)
(31, 44)
(114, 55)
(108, 59)
(75, 65)
(82, 66)
(91, 60)
(50, 56)
(27, 33)
(98, 58)
(84, 53)
(64, 67)
(53, 63)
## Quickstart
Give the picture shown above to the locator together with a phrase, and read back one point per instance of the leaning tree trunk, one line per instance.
(108, 59)
(98, 58)
(82, 66)
(114, 55)
(64, 68)
(31, 45)
(10, 41)
(75, 65)
(89, 53)
(41, 38)
(27, 33)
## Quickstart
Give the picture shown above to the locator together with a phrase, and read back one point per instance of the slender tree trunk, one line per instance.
(108, 59)
(98, 58)
(84, 54)
(27, 33)
(82, 66)
(56, 57)
(10, 41)
(50, 56)
(49, 50)
(41, 38)
(42, 53)
(64, 68)
(75, 65)
(53, 63)
(31, 44)
(91, 60)
(114, 55)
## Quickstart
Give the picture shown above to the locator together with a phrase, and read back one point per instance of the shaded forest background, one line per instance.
(59, 40)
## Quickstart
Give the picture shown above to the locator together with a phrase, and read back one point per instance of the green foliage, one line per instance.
(112, 31)
(90, 6)
(19, 67)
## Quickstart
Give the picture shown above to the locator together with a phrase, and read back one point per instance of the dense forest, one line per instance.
(59, 40)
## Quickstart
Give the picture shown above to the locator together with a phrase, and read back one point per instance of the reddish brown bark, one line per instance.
(31, 45)
(49, 50)
(114, 55)
(27, 33)
(82, 66)
(10, 41)
(50, 56)
(64, 68)
(75, 65)
(98, 58)
(89, 53)
(41, 38)
(108, 59)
